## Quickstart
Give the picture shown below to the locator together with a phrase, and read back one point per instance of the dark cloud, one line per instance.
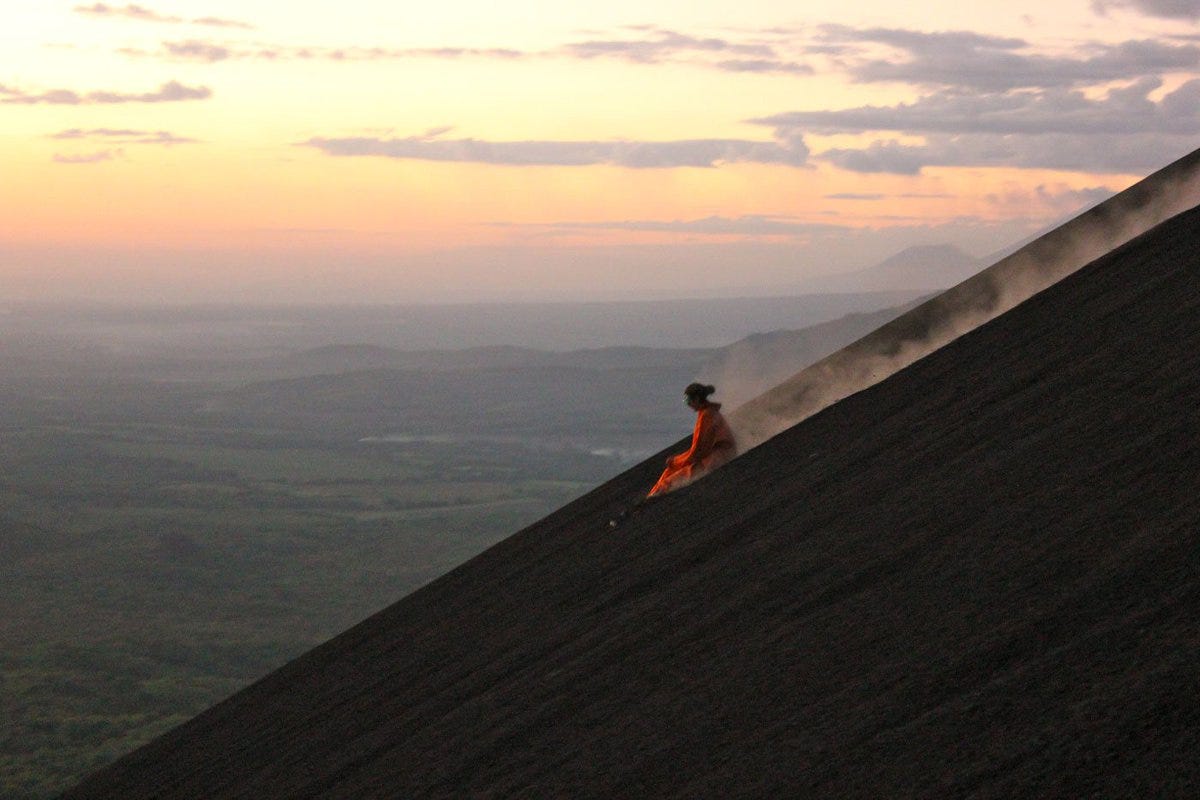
(993, 64)
(918, 41)
(1127, 110)
(891, 157)
(123, 136)
(87, 158)
(638, 155)
(765, 65)
(1132, 154)
(169, 92)
(1168, 9)
(1125, 131)
(143, 14)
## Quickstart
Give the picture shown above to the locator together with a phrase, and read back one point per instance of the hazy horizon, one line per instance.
(264, 329)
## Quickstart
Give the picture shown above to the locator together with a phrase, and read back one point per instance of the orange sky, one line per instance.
(365, 151)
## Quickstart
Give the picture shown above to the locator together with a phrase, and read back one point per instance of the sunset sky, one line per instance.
(383, 152)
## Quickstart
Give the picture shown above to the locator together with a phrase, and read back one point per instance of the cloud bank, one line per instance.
(966, 60)
(1167, 9)
(1123, 131)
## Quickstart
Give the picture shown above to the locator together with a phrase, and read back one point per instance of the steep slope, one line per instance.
(1031, 268)
(978, 578)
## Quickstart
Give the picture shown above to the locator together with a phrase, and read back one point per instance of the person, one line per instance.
(712, 443)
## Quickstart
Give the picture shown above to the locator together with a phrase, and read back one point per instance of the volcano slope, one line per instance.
(978, 578)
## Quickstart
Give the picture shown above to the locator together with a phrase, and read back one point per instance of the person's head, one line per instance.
(696, 395)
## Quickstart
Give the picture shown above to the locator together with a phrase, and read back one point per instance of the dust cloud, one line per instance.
(1010, 281)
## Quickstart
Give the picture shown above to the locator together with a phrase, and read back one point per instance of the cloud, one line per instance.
(1133, 154)
(993, 64)
(853, 196)
(763, 65)
(169, 92)
(659, 45)
(1168, 9)
(218, 22)
(193, 49)
(664, 45)
(1058, 200)
(1124, 131)
(890, 157)
(129, 11)
(143, 14)
(651, 46)
(1067, 199)
(123, 136)
(89, 158)
(788, 151)
(211, 52)
(1127, 110)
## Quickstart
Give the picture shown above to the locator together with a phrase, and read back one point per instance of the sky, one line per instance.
(253, 151)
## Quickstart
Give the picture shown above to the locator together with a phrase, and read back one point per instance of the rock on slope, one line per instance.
(978, 578)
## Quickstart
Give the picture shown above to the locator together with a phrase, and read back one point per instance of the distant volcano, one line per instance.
(979, 577)
(914, 269)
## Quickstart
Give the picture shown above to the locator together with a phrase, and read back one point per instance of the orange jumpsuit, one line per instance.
(712, 446)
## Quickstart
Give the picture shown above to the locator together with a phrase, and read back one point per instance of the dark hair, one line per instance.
(699, 391)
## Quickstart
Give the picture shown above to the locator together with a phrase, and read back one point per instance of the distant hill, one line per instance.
(535, 402)
(977, 578)
(511, 391)
(922, 268)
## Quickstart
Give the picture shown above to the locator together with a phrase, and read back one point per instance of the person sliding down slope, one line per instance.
(712, 443)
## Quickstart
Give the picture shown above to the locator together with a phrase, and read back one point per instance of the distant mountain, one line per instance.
(921, 268)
